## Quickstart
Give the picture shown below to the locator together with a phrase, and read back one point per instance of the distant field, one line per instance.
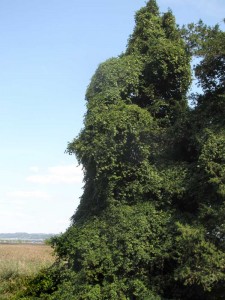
(19, 261)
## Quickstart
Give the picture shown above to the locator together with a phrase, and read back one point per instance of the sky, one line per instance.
(49, 51)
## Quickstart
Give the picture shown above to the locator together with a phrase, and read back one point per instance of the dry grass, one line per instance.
(20, 261)
(24, 259)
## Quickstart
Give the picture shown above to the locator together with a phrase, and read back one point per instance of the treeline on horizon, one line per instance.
(150, 223)
(25, 235)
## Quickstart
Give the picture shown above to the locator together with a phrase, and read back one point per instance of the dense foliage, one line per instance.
(150, 224)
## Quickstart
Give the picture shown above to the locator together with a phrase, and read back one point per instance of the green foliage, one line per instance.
(166, 72)
(115, 79)
(194, 254)
(210, 71)
(150, 224)
(43, 283)
(112, 255)
(212, 160)
(116, 171)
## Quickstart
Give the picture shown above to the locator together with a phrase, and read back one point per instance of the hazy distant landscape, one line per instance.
(23, 237)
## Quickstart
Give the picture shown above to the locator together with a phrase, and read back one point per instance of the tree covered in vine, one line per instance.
(150, 223)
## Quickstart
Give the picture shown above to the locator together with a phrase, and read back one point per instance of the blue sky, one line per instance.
(49, 51)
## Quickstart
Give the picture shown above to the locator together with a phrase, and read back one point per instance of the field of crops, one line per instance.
(19, 261)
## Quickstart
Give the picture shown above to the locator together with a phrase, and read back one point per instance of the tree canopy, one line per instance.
(150, 224)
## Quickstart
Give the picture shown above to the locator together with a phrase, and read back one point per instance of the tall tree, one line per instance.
(165, 78)
(150, 224)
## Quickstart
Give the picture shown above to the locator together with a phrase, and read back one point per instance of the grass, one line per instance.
(18, 262)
